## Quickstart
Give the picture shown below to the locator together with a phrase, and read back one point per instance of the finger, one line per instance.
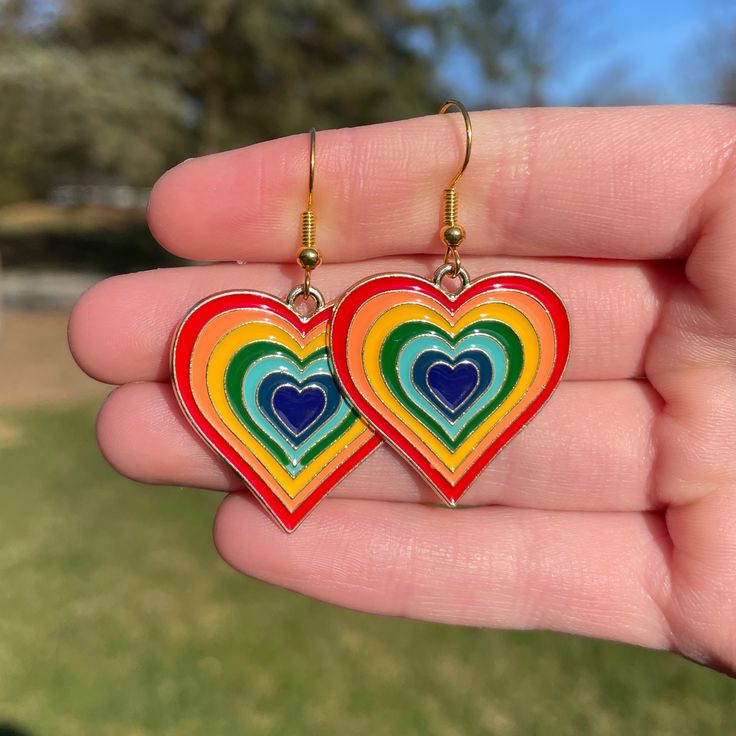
(601, 461)
(711, 268)
(121, 329)
(584, 573)
(701, 607)
(692, 363)
(612, 183)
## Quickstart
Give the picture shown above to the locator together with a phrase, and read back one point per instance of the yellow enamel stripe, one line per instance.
(205, 342)
(216, 367)
(217, 364)
(400, 314)
(406, 313)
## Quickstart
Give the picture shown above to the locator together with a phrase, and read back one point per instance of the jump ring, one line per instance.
(298, 291)
(446, 269)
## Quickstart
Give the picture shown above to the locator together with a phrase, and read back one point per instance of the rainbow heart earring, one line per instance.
(449, 377)
(252, 375)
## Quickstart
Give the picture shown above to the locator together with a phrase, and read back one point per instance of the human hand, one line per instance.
(613, 514)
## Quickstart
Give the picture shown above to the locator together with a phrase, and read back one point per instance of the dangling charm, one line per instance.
(253, 377)
(448, 378)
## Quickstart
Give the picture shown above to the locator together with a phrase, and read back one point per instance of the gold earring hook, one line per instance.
(309, 256)
(452, 233)
(312, 149)
(468, 137)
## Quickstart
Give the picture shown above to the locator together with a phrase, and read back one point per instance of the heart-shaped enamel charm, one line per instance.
(253, 378)
(449, 379)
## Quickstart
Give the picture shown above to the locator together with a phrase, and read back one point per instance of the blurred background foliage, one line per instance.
(99, 92)
(103, 93)
(115, 615)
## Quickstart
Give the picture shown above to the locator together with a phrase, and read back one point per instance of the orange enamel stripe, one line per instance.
(218, 327)
(535, 312)
(400, 314)
(545, 333)
(539, 317)
(220, 358)
(208, 338)
(206, 341)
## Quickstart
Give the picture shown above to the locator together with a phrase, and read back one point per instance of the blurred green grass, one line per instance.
(116, 617)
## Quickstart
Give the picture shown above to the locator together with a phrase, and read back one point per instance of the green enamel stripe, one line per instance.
(240, 363)
(411, 351)
(403, 333)
(234, 374)
(265, 366)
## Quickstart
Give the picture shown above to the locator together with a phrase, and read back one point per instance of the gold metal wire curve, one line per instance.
(312, 157)
(308, 256)
(452, 258)
(468, 137)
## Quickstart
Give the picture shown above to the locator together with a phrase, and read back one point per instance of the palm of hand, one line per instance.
(614, 513)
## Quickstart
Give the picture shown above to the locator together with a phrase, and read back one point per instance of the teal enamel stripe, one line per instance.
(252, 378)
(246, 357)
(403, 333)
(485, 343)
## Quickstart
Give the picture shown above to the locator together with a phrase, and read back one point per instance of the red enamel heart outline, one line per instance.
(404, 286)
(181, 355)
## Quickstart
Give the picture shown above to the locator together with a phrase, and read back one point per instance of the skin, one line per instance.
(614, 513)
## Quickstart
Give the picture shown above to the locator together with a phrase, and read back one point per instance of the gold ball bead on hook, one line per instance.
(452, 235)
(309, 258)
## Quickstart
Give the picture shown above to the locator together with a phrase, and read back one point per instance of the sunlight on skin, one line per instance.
(617, 503)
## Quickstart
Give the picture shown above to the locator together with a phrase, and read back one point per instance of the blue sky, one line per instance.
(657, 45)
(656, 40)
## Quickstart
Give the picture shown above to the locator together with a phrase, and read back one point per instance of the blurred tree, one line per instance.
(614, 86)
(106, 91)
(80, 115)
(99, 89)
(717, 61)
(523, 46)
(254, 69)
(69, 116)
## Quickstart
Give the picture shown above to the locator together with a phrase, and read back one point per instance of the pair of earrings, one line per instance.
(294, 402)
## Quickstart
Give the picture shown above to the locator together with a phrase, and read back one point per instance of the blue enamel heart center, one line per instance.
(453, 384)
(298, 408)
